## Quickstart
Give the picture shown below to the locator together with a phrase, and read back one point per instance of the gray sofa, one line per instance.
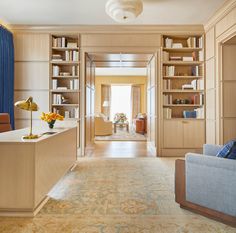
(211, 181)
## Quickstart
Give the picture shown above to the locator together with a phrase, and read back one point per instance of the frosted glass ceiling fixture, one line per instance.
(124, 11)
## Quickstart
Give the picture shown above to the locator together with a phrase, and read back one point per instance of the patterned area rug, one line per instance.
(122, 135)
(115, 196)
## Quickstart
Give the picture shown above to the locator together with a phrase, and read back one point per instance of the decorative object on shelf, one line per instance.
(120, 118)
(51, 118)
(31, 106)
(123, 11)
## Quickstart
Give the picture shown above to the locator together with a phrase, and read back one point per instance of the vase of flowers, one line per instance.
(51, 118)
(120, 118)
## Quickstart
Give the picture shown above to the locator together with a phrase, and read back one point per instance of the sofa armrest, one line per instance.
(210, 182)
(211, 150)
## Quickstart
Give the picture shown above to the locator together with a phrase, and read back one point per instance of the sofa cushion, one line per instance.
(228, 151)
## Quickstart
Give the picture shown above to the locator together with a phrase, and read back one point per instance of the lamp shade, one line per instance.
(27, 105)
(124, 11)
(106, 103)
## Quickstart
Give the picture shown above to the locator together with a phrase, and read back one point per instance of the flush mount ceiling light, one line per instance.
(123, 11)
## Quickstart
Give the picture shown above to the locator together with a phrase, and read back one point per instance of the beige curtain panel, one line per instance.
(135, 100)
(106, 99)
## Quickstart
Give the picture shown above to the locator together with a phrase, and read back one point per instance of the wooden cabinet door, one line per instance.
(193, 133)
(173, 134)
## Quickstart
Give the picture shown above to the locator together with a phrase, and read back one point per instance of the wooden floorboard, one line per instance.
(119, 149)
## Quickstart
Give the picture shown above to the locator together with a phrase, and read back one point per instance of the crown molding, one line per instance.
(228, 6)
(127, 29)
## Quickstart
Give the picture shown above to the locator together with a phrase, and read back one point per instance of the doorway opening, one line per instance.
(120, 99)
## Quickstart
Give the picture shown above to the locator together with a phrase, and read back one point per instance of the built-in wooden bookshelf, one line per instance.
(183, 86)
(64, 75)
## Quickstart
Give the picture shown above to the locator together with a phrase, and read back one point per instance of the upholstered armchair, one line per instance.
(4, 122)
(103, 127)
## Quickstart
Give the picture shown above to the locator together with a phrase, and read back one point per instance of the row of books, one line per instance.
(62, 42)
(167, 84)
(56, 71)
(74, 85)
(197, 99)
(192, 42)
(167, 99)
(196, 56)
(169, 70)
(57, 99)
(73, 113)
(167, 113)
(71, 56)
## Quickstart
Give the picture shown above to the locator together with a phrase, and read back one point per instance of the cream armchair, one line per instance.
(102, 126)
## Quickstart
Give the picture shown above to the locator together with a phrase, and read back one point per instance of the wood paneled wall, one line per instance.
(31, 74)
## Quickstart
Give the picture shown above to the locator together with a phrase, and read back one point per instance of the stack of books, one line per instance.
(170, 71)
(167, 99)
(175, 58)
(188, 58)
(57, 57)
(167, 113)
(187, 87)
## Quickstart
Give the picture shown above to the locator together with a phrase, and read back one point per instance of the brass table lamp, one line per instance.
(31, 106)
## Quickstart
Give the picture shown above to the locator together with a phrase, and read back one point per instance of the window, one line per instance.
(120, 100)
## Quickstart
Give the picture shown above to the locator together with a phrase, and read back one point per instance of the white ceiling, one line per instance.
(92, 12)
(121, 71)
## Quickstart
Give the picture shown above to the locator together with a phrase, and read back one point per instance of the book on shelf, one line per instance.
(59, 42)
(175, 58)
(55, 70)
(200, 42)
(187, 87)
(165, 56)
(57, 57)
(57, 99)
(54, 84)
(195, 71)
(71, 55)
(72, 45)
(73, 70)
(188, 58)
(74, 84)
(167, 99)
(200, 56)
(198, 84)
(199, 113)
(192, 42)
(177, 45)
(62, 88)
(198, 99)
(167, 84)
(170, 70)
(167, 113)
(168, 42)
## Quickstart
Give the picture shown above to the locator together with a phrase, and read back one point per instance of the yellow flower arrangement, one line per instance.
(51, 118)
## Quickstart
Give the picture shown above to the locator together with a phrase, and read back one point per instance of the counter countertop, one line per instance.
(15, 136)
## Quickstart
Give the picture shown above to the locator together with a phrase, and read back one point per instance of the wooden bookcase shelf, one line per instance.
(183, 76)
(64, 73)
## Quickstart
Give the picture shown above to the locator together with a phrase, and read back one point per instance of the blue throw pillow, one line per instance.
(228, 151)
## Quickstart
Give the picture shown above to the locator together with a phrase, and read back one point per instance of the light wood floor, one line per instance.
(118, 149)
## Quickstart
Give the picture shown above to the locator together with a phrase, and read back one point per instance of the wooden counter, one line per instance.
(30, 168)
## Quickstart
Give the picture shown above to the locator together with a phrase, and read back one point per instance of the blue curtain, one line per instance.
(7, 73)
